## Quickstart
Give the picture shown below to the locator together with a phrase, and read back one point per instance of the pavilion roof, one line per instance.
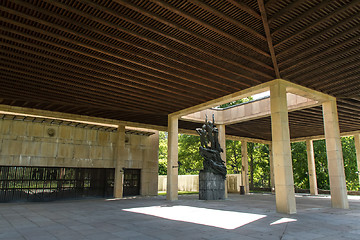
(144, 59)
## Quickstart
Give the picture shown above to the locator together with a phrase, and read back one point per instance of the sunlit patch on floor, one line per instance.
(203, 216)
(283, 220)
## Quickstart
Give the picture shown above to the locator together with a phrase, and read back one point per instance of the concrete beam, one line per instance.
(249, 111)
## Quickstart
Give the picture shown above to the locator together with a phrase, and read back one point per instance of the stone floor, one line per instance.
(238, 217)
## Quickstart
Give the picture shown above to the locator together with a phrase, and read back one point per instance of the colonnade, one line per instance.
(281, 161)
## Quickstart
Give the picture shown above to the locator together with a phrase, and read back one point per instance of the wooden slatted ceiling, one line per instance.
(140, 60)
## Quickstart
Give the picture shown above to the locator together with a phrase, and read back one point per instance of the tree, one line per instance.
(162, 153)
(300, 166)
(189, 159)
(233, 156)
(350, 164)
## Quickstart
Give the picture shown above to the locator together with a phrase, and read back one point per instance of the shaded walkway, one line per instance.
(239, 217)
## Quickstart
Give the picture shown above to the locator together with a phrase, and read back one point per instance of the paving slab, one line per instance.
(238, 217)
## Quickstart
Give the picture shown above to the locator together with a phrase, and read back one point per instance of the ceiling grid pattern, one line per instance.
(140, 60)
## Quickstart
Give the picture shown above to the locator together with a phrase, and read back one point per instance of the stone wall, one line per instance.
(191, 183)
(26, 143)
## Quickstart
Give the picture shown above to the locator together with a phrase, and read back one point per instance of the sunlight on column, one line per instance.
(203, 216)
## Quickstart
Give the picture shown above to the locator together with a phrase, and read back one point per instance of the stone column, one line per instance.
(334, 156)
(272, 176)
(222, 142)
(172, 161)
(244, 167)
(311, 167)
(357, 147)
(283, 171)
(119, 154)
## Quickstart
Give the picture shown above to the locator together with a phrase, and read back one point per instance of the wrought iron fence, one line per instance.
(50, 183)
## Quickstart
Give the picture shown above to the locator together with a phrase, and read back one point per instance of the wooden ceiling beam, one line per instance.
(269, 37)
(203, 38)
(52, 95)
(317, 55)
(154, 84)
(205, 82)
(190, 45)
(317, 36)
(349, 105)
(105, 78)
(315, 24)
(245, 8)
(347, 86)
(344, 119)
(103, 33)
(228, 19)
(328, 68)
(325, 81)
(105, 100)
(302, 16)
(112, 96)
(320, 44)
(78, 75)
(284, 11)
(157, 73)
(209, 26)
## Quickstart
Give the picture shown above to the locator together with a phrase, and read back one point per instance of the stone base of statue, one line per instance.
(211, 186)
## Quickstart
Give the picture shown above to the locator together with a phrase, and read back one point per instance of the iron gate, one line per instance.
(45, 183)
(131, 182)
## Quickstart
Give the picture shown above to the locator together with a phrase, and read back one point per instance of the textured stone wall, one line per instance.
(29, 144)
(25, 143)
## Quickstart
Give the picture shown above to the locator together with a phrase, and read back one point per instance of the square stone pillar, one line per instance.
(357, 147)
(172, 161)
(334, 156)
(119, 155)
(283, 171)
(311, 167)
(244, 167)
(272, 176)
(222, 142)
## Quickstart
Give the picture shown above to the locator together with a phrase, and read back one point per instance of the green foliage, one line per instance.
(350, 165)
(300, 166)
(258, 156)
(190, 161)
(233, 103)
(162, 153)
(322, 173)
(259, 164)
(233, 156)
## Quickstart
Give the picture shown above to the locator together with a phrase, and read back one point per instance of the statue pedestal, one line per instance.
(211, 186)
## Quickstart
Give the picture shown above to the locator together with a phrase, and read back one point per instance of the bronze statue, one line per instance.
(210, 148)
